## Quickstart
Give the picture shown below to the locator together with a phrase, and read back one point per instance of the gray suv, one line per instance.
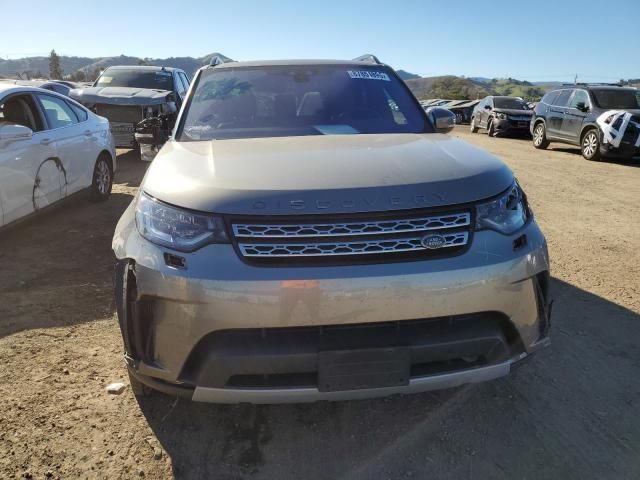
(310, 233)
(604, 120)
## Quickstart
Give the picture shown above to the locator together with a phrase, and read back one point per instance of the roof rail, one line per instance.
(367, 57)
(219, 60)
(592, 84)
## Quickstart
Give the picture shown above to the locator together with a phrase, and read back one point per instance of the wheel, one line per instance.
(591, 145)
(473, 127)
(490, 129)
(540, 136)
(138, 388)
(102, 179)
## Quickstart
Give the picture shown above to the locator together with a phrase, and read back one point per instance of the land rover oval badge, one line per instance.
(433, 241)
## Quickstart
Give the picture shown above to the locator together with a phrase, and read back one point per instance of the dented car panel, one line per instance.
(49, 149)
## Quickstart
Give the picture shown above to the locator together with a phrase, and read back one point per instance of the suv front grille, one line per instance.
(365, 237)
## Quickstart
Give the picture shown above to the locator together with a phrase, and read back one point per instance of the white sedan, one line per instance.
(51, 147)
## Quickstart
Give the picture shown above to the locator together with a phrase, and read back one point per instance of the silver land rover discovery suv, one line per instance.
(310, 233)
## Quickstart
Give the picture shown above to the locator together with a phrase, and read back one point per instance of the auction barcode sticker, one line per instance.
(369, 75)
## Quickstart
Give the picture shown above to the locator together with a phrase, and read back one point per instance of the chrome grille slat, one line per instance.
(366, 246)
(354, 228)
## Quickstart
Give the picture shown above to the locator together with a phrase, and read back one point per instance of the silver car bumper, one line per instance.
(217, 291)
(304, 395)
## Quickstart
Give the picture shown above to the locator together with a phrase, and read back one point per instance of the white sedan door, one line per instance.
(74, 142)
(29, 177)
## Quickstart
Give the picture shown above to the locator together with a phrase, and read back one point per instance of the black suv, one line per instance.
(604, 120)
(501, 115)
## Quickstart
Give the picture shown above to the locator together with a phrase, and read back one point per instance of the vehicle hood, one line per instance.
(509, 111)
(324, 174)
(120, 95)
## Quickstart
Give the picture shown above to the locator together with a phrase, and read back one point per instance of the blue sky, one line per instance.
(541, 40)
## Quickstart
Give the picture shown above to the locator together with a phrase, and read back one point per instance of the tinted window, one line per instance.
(180, 88)
(615, 99)
(58, 113)
(579, 96)
(80, 112)
(299, 100)
(563, 98)
(185, 80)
(510, 103)
(550, 97)
(153, 79)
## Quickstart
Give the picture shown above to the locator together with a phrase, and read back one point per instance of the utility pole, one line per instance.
(575, 79)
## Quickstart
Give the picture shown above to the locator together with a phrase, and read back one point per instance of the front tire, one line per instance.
(472, 126)
(490, 128)
(590, 145)
(540, 137)
(102, 179)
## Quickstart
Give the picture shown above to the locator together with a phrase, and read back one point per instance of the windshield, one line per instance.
(155, 80)
(299, 100)
(616, 99)
(510, 103)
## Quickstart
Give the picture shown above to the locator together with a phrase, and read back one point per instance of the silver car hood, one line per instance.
(324, 174)
(120, 95)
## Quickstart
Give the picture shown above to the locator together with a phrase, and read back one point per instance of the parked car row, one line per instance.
(602, 119)
(309, 232)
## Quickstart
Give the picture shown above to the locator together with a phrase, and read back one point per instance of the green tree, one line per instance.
(55, 69)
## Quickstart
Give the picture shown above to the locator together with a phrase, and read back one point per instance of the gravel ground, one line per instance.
(573, 411)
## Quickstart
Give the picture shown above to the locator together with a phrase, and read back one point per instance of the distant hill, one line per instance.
(403, 74)
(481, 79)
(447, 86)
(39, 66)
(460, 88)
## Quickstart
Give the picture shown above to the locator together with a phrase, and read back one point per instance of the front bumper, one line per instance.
(217, 292)
(511, 127)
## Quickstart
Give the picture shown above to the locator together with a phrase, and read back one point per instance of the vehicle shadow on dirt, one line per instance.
(130, 168)
(576, 151)
(569, 412)
(61, 261)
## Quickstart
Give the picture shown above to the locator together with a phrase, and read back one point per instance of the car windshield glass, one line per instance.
(157, 80)
(510, 103)
(275, 101)
(610, 98)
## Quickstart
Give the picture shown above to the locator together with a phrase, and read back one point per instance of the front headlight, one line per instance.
(505, 214)
(176, 228)
(500, 115)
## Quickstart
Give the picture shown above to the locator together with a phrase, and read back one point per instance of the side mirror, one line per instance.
(487, 107)
(11, 132)
(582, 106)
(444, 120)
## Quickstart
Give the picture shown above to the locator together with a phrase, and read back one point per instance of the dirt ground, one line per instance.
(572, 411)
